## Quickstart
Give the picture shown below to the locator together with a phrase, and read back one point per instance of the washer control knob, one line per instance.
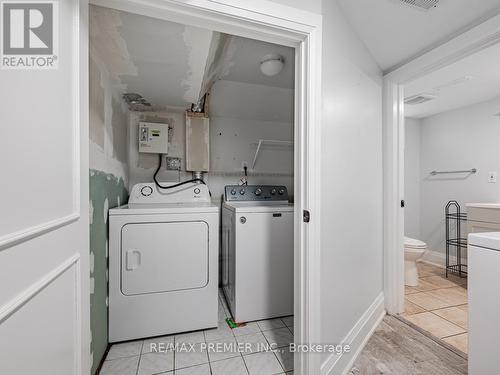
(233, 192)
(258, 191)
(197, 191)
(146, 191)
(242, 191)
(273, 191)
(243, 220)
(281, 191)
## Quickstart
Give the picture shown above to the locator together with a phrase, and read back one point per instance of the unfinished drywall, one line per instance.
(108, 123)
(142, 165)
(106, 191)
(240, 115)
(162, 61)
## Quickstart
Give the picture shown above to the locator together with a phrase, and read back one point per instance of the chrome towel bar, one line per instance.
(473, 170)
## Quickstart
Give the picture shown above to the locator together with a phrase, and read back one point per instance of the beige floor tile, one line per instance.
(424, 285)
(435, 325)
(455, 315)
(461, 281)
(464, 307)
(411, 289)
(427, 302)
(439, 282)
(459, 341)
(411, 308)
(454, 296)
(425, 269)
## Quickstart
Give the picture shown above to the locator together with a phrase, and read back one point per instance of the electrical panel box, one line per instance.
(153, 137)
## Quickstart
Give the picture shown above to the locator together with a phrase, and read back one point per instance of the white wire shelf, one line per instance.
(269, 142)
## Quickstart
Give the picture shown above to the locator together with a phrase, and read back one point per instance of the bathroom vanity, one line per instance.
(483, 217)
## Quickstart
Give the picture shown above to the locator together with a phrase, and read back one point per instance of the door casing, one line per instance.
(270, 22)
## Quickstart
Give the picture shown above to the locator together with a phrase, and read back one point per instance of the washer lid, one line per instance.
(490, 240)
(415, 244)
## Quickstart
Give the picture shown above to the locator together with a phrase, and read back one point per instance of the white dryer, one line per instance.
(257, 252)
(163, 269)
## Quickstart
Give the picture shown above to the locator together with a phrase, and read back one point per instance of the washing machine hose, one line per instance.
(176, 185)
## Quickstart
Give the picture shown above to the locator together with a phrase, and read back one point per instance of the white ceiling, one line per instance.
(165, 62)
(471, 80)
(395, 33)
(245, 63)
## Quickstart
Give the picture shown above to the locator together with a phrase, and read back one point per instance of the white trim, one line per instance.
(26, 234)
(472, 41)
(34, 289)
(393, 194)
(37, 230)
(275, 23)
(21, 299)
(80, 367)
(356, 338)
(83, 337)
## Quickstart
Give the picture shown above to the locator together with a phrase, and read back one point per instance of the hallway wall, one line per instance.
(351, 216)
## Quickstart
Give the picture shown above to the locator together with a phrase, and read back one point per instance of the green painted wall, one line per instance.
(106, 191)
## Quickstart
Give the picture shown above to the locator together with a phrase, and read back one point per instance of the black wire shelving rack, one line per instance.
(455, 242)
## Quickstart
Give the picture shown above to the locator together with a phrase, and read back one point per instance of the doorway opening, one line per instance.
(148, 66)
(446, 135)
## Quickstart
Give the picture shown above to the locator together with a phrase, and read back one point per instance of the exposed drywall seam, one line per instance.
(108, 121)
(107, 42)
(198, 43)
(219, 60)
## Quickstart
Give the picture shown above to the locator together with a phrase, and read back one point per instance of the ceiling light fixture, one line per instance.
(272, 64)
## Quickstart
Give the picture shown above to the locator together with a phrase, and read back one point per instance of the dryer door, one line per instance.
(164, 257)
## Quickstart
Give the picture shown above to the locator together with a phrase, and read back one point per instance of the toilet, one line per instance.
(414, 250)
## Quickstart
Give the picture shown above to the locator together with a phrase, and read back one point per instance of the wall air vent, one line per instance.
(419, 99)
(421, 4)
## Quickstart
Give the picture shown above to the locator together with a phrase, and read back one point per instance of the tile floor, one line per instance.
(215, 351)
(439, 305)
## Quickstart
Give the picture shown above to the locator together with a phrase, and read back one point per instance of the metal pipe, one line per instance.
(197, 175)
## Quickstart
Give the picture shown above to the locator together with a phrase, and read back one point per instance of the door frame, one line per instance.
(267, 21)
(472, 41)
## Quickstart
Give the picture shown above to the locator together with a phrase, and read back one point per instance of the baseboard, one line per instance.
(438, 259)
(356, 338)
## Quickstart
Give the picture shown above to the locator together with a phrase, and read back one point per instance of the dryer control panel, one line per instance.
(149, 193)
(245, 193)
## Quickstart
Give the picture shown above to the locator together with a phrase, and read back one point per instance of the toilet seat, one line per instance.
(412, 243)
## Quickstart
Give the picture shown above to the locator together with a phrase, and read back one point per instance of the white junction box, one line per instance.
(197, 143)
(153, 137)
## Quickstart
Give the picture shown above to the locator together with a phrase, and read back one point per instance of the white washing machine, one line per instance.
(163, 269)
(257, 252)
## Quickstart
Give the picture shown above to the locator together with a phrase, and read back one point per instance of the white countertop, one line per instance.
(484, 205)
(489, 240)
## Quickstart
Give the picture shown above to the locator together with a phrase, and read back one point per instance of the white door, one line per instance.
(164, 257)
(44, 268)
